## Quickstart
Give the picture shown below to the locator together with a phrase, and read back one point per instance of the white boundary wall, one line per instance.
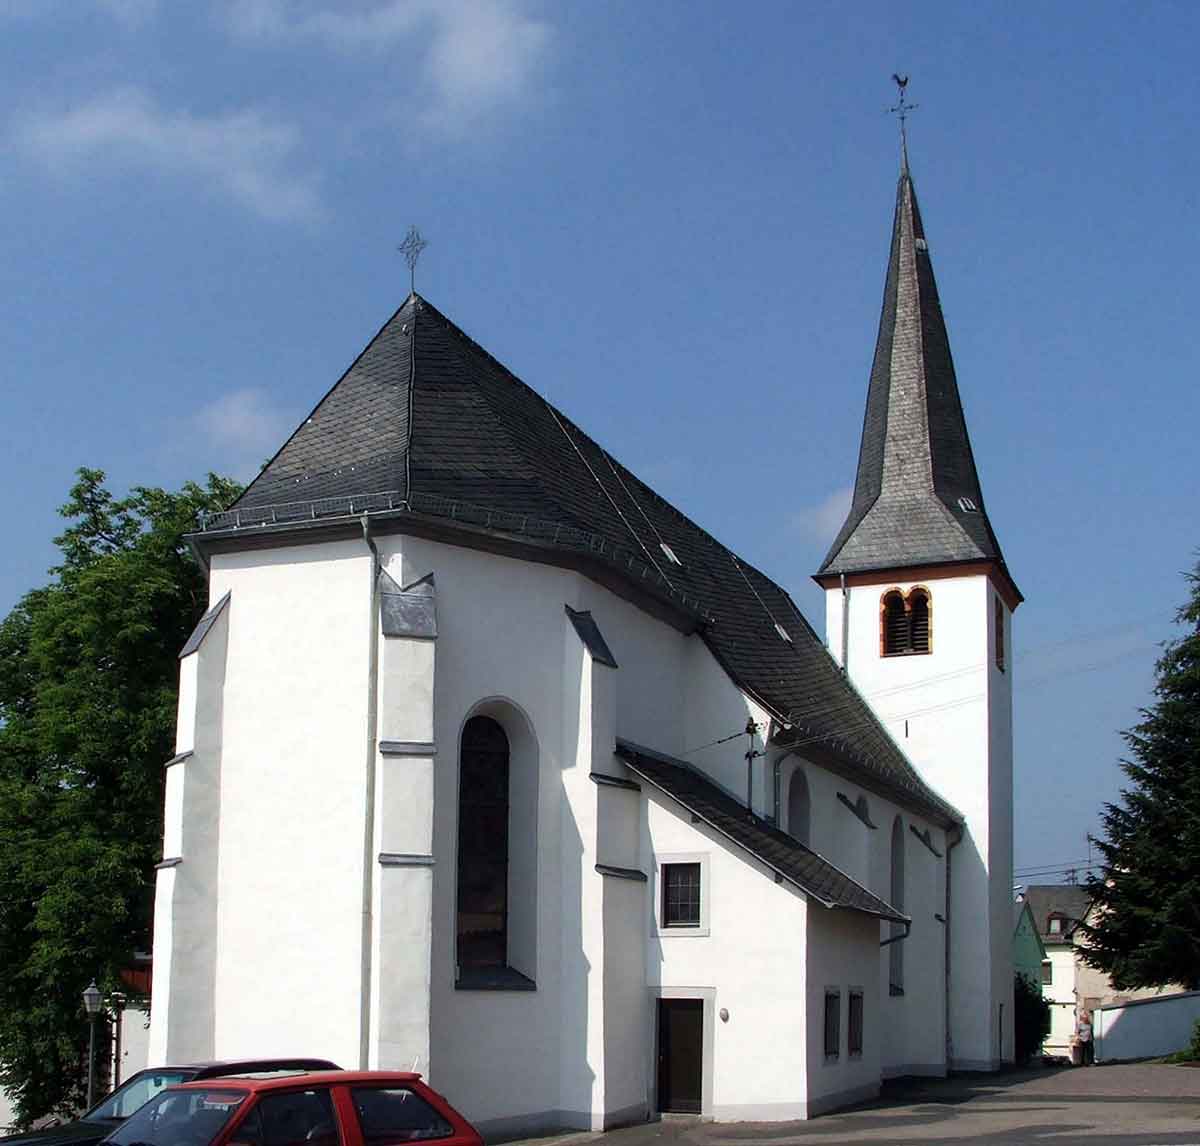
(1145, 1028)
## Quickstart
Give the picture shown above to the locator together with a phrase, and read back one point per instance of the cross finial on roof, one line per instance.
(411, 249)
(902, 110)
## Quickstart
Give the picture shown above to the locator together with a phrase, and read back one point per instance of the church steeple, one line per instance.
(917, 500)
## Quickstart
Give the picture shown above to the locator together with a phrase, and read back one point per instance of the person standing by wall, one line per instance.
(1083, 1032)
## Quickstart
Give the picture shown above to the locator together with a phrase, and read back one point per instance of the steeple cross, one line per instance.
(902, 110)
(411, 249)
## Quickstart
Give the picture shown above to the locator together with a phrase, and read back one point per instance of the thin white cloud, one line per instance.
(473, 57)
(821, 521)
(246, 155)
(243, 429)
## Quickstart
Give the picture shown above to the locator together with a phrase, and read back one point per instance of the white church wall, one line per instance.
(500, 641)
(842, 956)
(939, 708)
(715, 710)
(293, 800)
(185, 910)
(749, 961)
(913, 1040)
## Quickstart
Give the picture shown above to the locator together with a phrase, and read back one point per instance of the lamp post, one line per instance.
(117, 1000)
(91, 1003)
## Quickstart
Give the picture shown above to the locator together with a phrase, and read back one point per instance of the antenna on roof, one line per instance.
(902, 110)
(411, 249)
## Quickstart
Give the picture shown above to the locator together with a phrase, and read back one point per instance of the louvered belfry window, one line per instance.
(905, 623)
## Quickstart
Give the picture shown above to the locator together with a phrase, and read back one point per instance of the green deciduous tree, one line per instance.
(1145, 931)
(88, 677)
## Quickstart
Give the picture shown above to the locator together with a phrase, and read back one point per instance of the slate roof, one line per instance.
(1068, 900)
(427, 425)
(784, 854)
(915, 465)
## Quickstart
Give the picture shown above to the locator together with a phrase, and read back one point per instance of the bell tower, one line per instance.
(919, 605)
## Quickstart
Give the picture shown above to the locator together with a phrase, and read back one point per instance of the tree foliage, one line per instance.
(1145, 931)
(88, 678)
(1032, 1018)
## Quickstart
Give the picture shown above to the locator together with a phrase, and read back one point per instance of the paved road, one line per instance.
(1132, 1105)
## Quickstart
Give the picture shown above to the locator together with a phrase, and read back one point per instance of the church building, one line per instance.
(492, 763)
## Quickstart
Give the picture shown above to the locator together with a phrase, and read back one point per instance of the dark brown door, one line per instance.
(680, 1055)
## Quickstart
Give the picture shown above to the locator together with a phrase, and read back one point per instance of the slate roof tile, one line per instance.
(810, 872)
(915, 461)
(430, 416)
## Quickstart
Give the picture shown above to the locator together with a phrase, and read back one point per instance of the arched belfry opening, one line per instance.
(905, 622)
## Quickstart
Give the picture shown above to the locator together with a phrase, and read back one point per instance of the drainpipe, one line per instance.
(845, 625)
(364, 1045)
(952, 841)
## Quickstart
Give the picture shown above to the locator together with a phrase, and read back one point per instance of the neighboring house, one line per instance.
(1029, 952)
(493, 763)
(1067, 981)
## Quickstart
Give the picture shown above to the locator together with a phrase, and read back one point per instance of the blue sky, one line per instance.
(672, 220)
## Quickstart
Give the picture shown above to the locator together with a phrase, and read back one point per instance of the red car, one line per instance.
(327, 1108)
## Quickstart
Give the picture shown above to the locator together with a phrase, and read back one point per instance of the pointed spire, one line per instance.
(917, 498)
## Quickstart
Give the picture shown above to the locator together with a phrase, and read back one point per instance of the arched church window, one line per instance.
(905, 622)
(799, 809)
(896, 949)
(483, 845)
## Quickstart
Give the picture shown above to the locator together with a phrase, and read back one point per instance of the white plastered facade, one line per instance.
(308, 902)
(950, 710)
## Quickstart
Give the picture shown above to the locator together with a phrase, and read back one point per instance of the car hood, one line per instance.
(69, 1134)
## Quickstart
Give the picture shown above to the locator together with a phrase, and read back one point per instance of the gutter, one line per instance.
(897, 938)
(845, 625)
(368, 887)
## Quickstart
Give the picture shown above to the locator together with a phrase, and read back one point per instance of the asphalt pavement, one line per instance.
(1138, 1104)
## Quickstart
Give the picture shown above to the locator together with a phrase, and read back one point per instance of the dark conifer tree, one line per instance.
(1145, 929)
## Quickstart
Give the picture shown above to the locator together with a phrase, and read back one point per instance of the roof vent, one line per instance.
(782, 632)
(670, 554)
(967, 505)
(921, 245)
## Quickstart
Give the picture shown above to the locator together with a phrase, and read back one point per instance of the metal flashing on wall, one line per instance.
(410, 611)
(402, 859)
(203, 626)
(407, 748)
(589, 633)
(173, 861)
(178, 758)
(621, 872)
(615, 782)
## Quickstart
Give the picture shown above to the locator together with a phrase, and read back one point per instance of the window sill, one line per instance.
(908, 653)
(493, 979)
(683, 930)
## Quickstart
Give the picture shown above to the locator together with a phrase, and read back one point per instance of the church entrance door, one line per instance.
(680, 1055)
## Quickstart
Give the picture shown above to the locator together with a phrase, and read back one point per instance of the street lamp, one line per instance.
(91, 1003)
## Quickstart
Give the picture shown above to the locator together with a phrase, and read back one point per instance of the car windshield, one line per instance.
(194, 1116)
(136, 1092)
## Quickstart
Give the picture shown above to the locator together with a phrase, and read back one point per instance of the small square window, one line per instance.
(854, 1036)
(833, 1023)
(1047, 971)
(681, 895)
